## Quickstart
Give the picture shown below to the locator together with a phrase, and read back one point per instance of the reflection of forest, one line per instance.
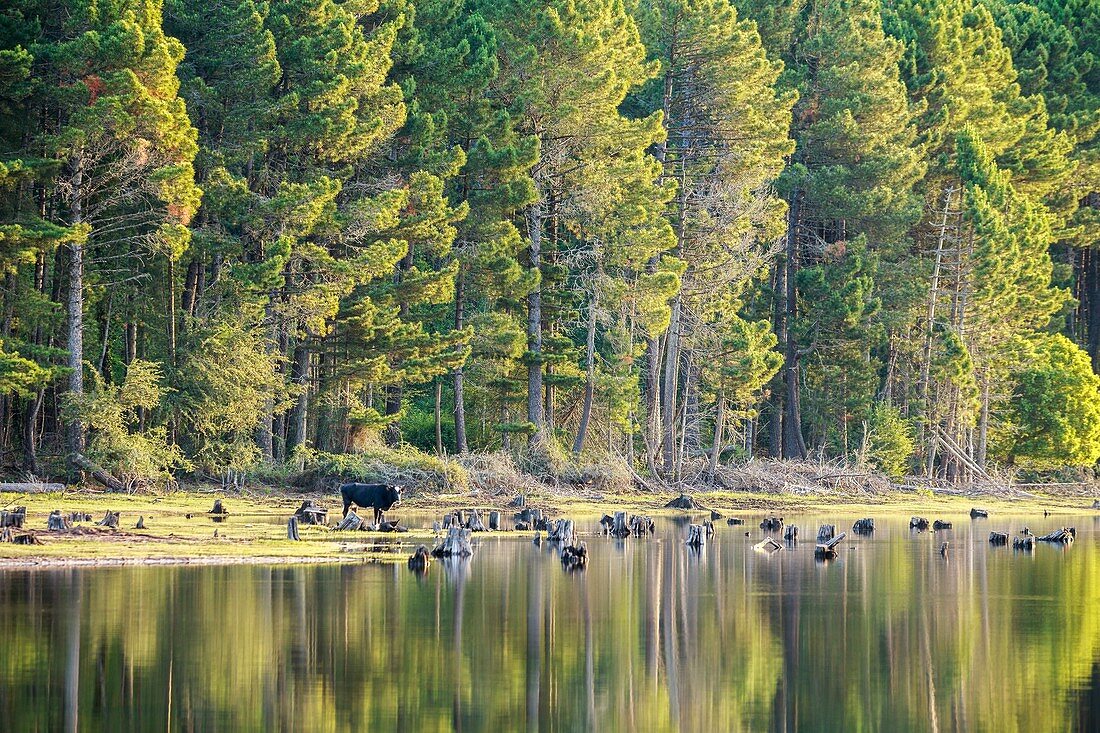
(652, 637)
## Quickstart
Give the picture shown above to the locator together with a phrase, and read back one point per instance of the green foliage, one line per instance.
(888, 441)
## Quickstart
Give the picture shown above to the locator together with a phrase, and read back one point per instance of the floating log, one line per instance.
(13, 517)
(456, 544)
(828, 549)
(919, 523)
(420, 560)
(474, 523)
(562, 532)
(97, 473)
(494, 521)
(1023, 543)
(57, 522)
(864, 526)
(292, 529)
(772, 524)
(790, 534)
(684, 501)
(350, 523)
(714, 516)
(110, 519)
(697, 536)
(1065, 535)
(976, 513)
(140, 523)
(310, 513)
(939, 524)
(998, 538)
(218, 508)
(767, 545)
(31, 488)
(733, 521)
(574, 557)
(825, 533)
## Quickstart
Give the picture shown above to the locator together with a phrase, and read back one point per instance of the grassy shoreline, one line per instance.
(179, 530)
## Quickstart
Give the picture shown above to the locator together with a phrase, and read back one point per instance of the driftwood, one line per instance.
(733, 521)
(918, 523)
(57, 522)
(697, 536)
(998, 538)
(31, 488)
(825, 533)
(790, 534)
(494, 521)
(420, 560)
(110, 519)
(976, 513)
(1065, 535)
(350, 523)
(684, 501)
(562, 532)
(939, 524)
(292, 528)
(97, 472)
(455, 544)
(864, 526)
(828, 549)
(310, 513)
(772, 524)
(13, 517)
(1023, 543)
(767, 545)
(574, 557)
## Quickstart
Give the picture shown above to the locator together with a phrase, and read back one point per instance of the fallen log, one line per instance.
(110, 519)
(772, 524)
(420, 560)
(1065, 535)
(828, 549)
(976, 513)
(790, 534)
(939, 524)
(864, 526)
(455, 544)
(30, 487)
(734, 521)
(96, 472)
(13, 517)
(998, 538)
(292, 529)
(697, 536)
(57, 522)
(1023, 543)
(767, 545)
(918, 523)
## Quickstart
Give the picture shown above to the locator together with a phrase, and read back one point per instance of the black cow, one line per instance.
(379, 497)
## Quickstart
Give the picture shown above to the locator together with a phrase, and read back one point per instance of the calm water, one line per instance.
(652, 637)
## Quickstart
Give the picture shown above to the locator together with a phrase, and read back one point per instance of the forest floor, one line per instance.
(178, 528)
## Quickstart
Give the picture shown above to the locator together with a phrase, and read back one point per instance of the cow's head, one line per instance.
(395, 493)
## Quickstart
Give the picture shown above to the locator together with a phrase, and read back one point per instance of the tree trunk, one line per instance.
(438, 417)
(75, 309)
(719, 431)
(534, 330)
(461, 446)
(299, 414)
(590, 374)
(794, 445)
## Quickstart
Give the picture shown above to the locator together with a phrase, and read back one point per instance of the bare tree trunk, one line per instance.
(299, 414)
(75, 309)
(794, 446)
(670, 383)
(438, 417)
(459, 397)
(534, 329)
(590, 372)
(719, 432)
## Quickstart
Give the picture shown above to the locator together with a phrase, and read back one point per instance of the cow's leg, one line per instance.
(347, 505)
(378, 514)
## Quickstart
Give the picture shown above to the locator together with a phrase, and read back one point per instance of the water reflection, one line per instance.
(651, 637)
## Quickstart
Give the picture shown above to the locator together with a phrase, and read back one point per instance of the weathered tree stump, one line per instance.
(827, 550)
(110, 519)
(684, 501)
(460, 517)
(697, 536)
(1065, 535)
(218, 508)
(1023, 543)
(714, 516)
(57, 522)
(768, 544)
(13, 517)
(825, 533)
(998, 538)
(976, 513)
(494, 521)
(420, 560)
(918, 523)
(350, 523)
(940, 524)
(574, 557)
(708, 526)
(733, 521)
(474, 523)
(562, 532)
(8, 534)
(292, 529)
(523, 526)
(772, 524)
(790, 534)
(455, 544)
(75, 517)
(864, 526)
(140, 523)
(310, 513)
(619, 525)
(641, 526)
(943, 549)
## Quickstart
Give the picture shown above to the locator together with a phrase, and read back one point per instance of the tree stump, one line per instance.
(519, 502)
(943, 549)
(998, 538)
(310, 513)
(455, 544)
(391, 526)
(772, 524)
(474, 523)
(562, 532)
(494, 521)
(218, 508)
(574, 557)
(1023, 543)
(140, 523)
(683, 501)
(110, 519)
(714, 516)
(790, 534)
(75, 517)
(8, 535)
(976, 513)
(57, 522)
(864, 526)
(641, 526)
(939, 524)
(1064, 536)
(825, 533)
(697, 536)
(420, 560)
(292, 529)
(827, 550)
(350, 523)
(1096, 504)
(708, 526)
(523, 526)
(918, 523)
(619, 525)
(13, 517)
(734, 521)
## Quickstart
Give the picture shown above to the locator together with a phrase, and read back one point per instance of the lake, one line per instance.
(653, 636)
